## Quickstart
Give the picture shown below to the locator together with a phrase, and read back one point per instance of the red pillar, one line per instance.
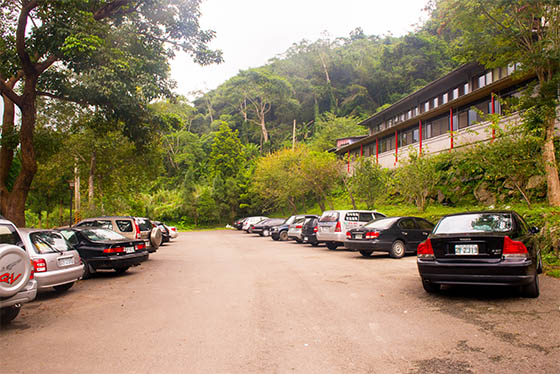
(493, 111)
(376, 150)
(420, 130)
(451, 124)
(361, 150)
(396, 147)
(348, 162)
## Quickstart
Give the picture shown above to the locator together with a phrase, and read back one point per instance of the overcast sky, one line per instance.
(250, 32)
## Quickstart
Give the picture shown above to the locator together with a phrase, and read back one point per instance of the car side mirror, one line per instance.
(534, 230)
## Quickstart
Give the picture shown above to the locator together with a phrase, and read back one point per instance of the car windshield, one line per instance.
(475, 223)
(329, 217)
(101, 234)
(381, 224)
(48, 242)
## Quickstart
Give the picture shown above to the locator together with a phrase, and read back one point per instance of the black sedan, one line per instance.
(105, 249)
(263, 228)
(481, 248)
(238, 224)
(395, 235)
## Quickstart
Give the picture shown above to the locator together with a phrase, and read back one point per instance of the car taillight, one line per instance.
(425, 250)
(338, 227)
(315, 229)
(141, 246)
(348, 235)
(39, 265)
(32, 275)
(114, 250)
(514, 248)
(372, 235)
(299, 226)
(174, 229)
(138, 235)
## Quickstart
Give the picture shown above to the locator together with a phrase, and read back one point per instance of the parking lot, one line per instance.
(230, 302)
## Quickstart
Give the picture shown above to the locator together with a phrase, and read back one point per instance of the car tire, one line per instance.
(88, 271)
(266, 233)
(250, 230)
(275, 238)
(366, 253)
(397, 249)
(155, 238)
(8, 314)
(261, 234)
(63, 287)
(14, 262)
(299, 241)
(430, 287)
(531, 290)
(122, 270)
(315, 244)
(283, 235)
(332, 246)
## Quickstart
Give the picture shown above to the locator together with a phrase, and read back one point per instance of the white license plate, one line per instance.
(66, 261)
(129, 249)
(305, 238)
(358, 236)
(466, 249)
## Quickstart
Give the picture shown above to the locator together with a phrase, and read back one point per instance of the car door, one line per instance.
(409, 232)
(424, 228)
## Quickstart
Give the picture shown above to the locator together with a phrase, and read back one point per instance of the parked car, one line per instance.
(334, 224)
(395, 235)
(56, 264)
(17, 283)
(131, 227)
(172, 231)
(263, 228)
(250, 221)
(309, 231)
(481, 248)
(281, 232)
(294, 230)
(238, 224)
(105, 249)
(165, 235)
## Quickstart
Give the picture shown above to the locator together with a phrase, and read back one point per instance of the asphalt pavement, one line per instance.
(228, 302)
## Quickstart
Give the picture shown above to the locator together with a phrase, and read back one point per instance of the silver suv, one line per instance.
(17, 285)
(333, 224)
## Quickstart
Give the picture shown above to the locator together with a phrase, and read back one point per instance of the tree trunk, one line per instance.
(264, 130)
(91, 179)
(321, 205)
(551, 166)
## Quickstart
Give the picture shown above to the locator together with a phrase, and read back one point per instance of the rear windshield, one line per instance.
(358, 217)
(8, 235)
(102, 234)
(124, 225)
(144, 224)
(299, 220)
(381, 224)
(48, 242)
(475, 223)
(329, 217)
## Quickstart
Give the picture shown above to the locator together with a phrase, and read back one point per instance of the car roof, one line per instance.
(351, 211)
(482, 212)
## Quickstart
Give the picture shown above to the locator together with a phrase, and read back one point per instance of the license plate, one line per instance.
(66, 261)
(358, 236)
(129, 249)
(305, 238)
(466, 249)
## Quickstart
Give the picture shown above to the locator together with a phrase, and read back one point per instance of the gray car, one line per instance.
(56, 264)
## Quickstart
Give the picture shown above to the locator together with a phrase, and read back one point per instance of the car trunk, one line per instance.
(471, 248)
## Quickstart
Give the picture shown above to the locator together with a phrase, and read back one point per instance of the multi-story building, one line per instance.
(449, 113)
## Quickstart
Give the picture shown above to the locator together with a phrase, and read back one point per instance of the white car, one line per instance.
(251, 221)
(17, 284)
(334, 224)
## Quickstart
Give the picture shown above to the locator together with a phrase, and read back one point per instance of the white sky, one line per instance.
(250, 32)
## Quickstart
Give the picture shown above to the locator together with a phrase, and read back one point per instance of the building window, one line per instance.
(466, 89)
(488, 77)
(415, 111)
(473, 116)
(455, 94)
(445, 98)
(426, 106)
(436, 102)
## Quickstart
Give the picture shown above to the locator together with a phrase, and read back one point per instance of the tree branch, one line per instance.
(26, 63)
(10, 94)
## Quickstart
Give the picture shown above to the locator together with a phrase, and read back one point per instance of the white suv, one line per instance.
(17, 285)
(333, 224)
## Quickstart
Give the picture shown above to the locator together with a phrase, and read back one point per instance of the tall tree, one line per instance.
(526, 33)
(76, 38)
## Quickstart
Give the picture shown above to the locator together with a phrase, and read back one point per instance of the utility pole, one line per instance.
(294, 135)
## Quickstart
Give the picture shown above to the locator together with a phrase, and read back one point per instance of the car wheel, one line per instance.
(266, 233)
(250, 230)
(332, 246)
(63, 287)
(275, 238)
(366, 253)
(299, 241)
(315, 244)
(8, 314)
(122, 269)
(397, 249)
(430, 287)
(532, 289)
(284, 235)
(88, 271)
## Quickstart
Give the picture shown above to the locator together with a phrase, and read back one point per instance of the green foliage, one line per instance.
(329, 127)
(368, 183)
(226, 157)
